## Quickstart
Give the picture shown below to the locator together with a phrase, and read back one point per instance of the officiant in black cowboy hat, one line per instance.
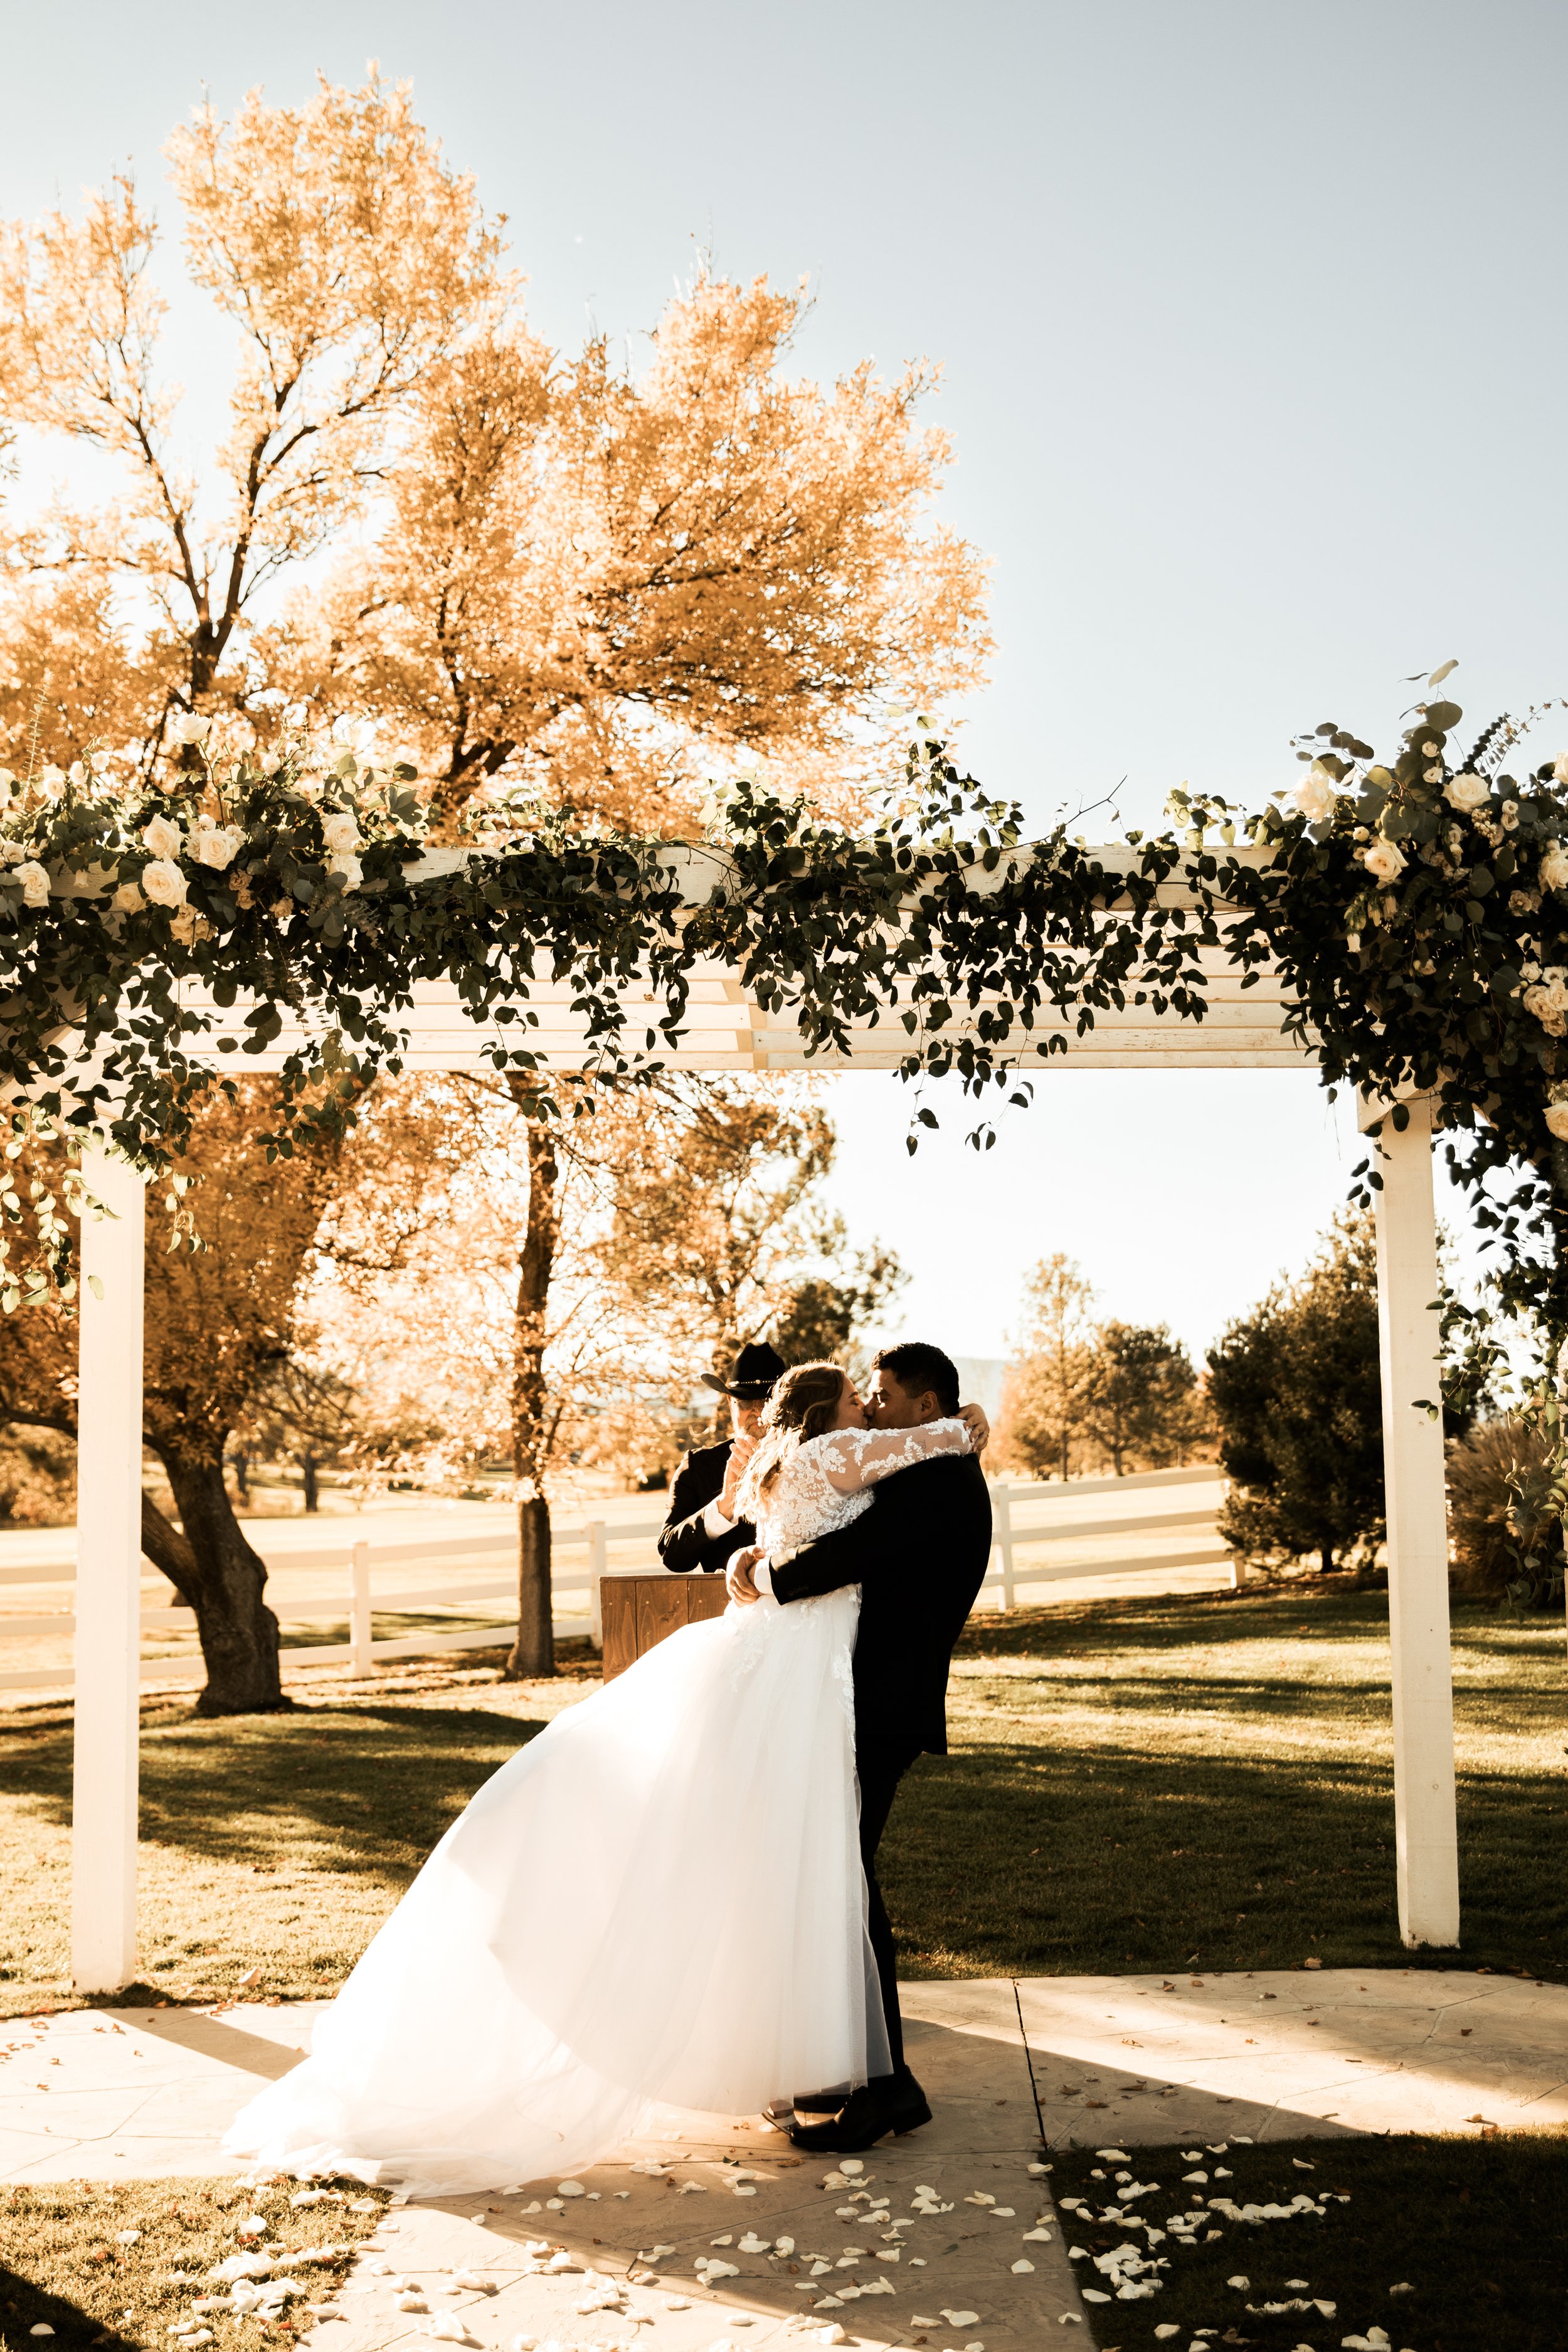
(701, 1530)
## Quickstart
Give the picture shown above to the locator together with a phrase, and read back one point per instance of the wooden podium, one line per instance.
(638, 1611)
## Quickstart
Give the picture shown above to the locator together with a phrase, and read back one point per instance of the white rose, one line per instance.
(53, 777)
(128, 899)
(1554, 867)
(164, 838)
(1316, 794)
(1467, 791)
(190, 727)
(1557, 1121)
(1382, 860)
(356, 735)
(1560, 769)
(163, 883)
(340, 833)
(7, 782)
(349, 868)
(34, 883)
(216, 844)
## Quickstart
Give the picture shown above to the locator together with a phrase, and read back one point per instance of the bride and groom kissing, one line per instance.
(667, 1900)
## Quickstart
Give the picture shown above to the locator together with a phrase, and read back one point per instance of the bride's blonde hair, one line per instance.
(803, 1404)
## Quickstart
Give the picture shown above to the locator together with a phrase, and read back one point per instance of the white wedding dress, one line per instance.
(657, 1904)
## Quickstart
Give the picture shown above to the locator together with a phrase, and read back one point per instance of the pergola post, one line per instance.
(108, 1580)
(1425, 1830)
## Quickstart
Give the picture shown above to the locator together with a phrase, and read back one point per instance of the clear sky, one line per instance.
(1253, 326)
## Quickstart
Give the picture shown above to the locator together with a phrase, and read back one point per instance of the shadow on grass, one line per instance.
(370, 1786)
(26, 2308)
(1042, 1859)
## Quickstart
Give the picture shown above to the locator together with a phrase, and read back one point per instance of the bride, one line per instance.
(658, 1903)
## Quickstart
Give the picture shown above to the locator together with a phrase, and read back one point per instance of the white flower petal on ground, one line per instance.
(727, 2240)
(1094, 2294)
(834, 2335)
(1020, 2268)
(1166, 2329)
(411, 2303)
(473, 2280)
(959, 2318)
(1241, 2281)
(1038, 2238)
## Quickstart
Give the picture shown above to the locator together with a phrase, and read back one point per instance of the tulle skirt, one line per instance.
(657, 1904)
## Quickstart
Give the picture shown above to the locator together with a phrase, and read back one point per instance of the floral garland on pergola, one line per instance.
(1419, 909)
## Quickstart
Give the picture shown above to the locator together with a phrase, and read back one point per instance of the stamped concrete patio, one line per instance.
(138, 2094)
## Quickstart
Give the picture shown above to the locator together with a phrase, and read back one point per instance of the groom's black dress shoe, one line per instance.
(893, 2103)
(810, 2103)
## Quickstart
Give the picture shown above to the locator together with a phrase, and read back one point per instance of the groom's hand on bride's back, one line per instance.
(975, 1423)
(739, 1577)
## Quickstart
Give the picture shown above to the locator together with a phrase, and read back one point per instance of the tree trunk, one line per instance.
(313, 1489)
(1328, 1559)
(242, 1477)
(533, 1653)
(218, 1574)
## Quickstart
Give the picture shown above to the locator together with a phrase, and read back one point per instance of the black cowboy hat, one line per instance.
(757, 1367)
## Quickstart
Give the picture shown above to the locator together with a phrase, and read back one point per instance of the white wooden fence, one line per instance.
(581, 1559)
(1008, 1572)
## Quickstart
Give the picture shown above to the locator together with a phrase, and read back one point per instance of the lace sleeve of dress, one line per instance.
(851, 1459)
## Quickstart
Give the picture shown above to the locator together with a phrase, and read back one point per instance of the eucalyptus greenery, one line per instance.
(1417, 908)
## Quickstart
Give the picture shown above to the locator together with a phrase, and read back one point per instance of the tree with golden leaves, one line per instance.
(351, 262)
(217, 1319)
(553, 574)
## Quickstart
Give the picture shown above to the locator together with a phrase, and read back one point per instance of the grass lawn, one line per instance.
(1136, 1784)
(1471, 2231)
(123, 2266)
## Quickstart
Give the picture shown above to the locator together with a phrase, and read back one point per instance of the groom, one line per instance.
(919, 1555)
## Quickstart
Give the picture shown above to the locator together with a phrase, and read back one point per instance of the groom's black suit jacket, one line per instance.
(919, 1555)
(684, 1542)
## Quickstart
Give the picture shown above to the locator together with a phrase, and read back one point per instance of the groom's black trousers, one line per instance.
(880, 1766)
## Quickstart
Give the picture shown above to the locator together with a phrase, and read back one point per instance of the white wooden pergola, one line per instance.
(725, 1030)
